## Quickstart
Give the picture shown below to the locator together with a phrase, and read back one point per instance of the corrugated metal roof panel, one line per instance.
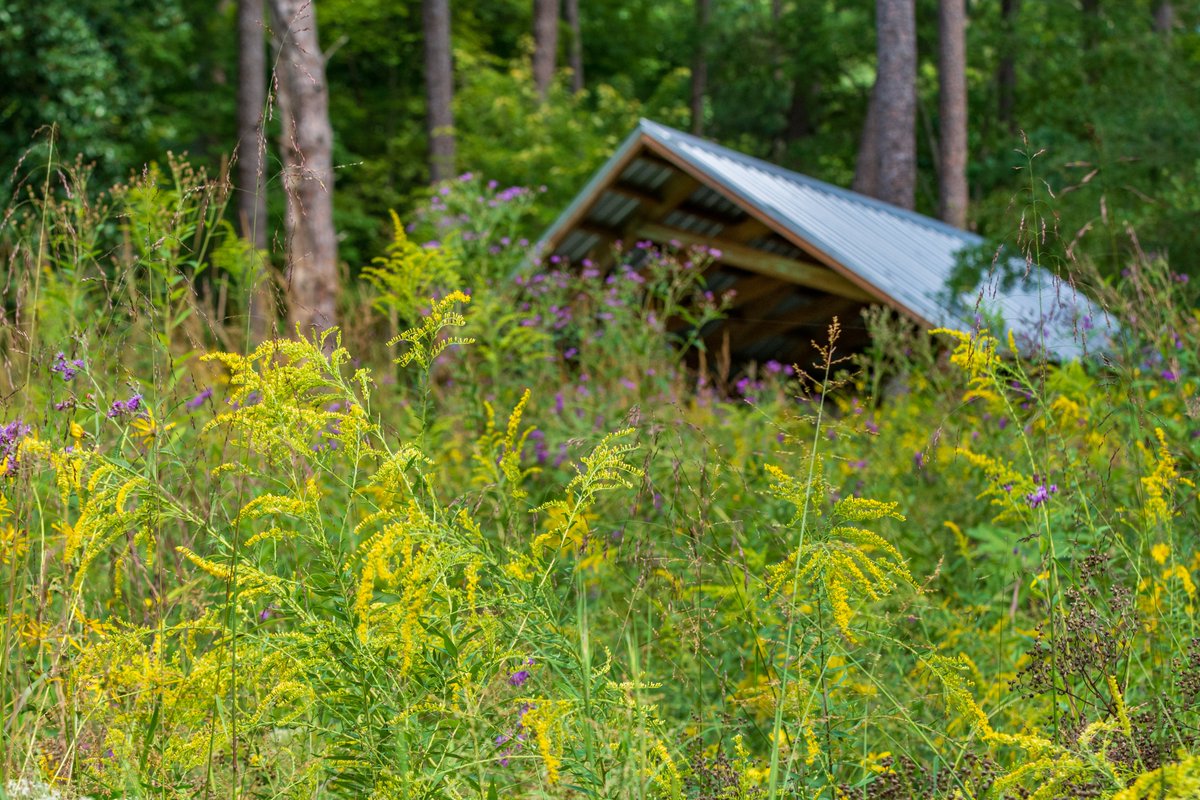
(612, 209)
(646, 175)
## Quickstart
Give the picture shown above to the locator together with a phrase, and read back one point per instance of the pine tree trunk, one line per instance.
(306, 144)
(700, 65)
(896, 101)
(251, 155)
(439, 89)
(952, 79)
(866, 168)
(545, 44)
(1006, 72)
(1164, 17)
(571, 12)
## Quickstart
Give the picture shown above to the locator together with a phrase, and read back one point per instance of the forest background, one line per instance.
(1105, 88)
(526, 548)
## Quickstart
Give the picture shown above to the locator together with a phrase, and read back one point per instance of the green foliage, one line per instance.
(524, 549)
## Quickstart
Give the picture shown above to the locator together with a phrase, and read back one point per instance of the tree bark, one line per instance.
(251, 156)
(439, 89)
(896, 101)
(952, 143)
(1006, 71)
(1164, 17)
(866, 169)
(700, 65)
(545, 44)
(306, 144)
(571, 12)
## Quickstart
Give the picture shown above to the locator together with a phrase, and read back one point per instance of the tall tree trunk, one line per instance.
(1006, 71)
(896, 101)
(545, 44)
(306, 143)
(251, 156)
(1164, 17)
(571, 12)
(1092, 32)
(866, 168)
(952, 96)
(439, 89)
(700, 65)
(799, 117)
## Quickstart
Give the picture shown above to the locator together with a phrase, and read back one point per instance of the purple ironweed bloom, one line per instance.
(919, 459)
(773, 367)
(871, 426)
(130, 406)
(10, 438)
(65, 404)
(628, 384)
(265, 614)
(1181, 278)
(1041, 494)
(67, 369)
(558, 403)
(1170, 375)
(199, 399)
(519, 677)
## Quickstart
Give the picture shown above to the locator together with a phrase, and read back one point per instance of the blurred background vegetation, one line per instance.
(1106, 88)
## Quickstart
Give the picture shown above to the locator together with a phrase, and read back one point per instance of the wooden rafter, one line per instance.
(790, 270)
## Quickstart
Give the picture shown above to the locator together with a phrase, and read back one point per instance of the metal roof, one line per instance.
(901, 258)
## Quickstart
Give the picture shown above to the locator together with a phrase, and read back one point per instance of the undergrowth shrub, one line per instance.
(526, 550)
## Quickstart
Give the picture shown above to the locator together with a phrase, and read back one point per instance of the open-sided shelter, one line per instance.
(798, 251)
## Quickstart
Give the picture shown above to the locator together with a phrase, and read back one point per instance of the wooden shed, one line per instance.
(798, 251)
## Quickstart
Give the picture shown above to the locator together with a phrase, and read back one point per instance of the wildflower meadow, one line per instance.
(508, 532)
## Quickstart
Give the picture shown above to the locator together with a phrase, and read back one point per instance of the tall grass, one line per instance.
(524, 550)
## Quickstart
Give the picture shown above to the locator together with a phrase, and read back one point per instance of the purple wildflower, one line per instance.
(519, 677)
(1170, 375)
(67, 369)
(130, 406)
(1041, 494)
(10, 438)
(199, 399)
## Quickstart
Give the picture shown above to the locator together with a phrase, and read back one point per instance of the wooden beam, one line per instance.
(744, 231)
(784, 269)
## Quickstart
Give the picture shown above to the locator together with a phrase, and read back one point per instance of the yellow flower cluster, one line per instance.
(975, 354)
(1160, 484)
